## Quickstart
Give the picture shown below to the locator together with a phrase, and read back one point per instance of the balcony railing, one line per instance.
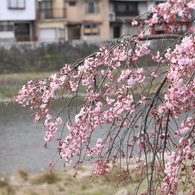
(51, 13)
(127, 13)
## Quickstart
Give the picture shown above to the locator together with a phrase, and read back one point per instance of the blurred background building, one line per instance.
(17, 20)
(63, 20)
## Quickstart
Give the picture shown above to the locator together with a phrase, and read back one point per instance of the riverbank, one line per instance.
(11, 83)
(62, 182)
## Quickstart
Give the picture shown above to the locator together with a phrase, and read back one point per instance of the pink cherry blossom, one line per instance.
(147, 115)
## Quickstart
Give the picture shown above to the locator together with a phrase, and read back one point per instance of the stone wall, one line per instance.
(7, 44)
(51, 56)
(43, 56)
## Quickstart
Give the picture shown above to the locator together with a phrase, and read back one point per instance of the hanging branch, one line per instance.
(146, 112)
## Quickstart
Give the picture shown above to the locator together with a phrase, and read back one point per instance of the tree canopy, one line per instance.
(146, 111)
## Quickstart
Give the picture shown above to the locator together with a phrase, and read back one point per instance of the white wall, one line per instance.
(7, 14)
(143, 8)
(7, 35)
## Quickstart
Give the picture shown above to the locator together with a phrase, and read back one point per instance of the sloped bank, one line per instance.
(23, 57)
(41, 57)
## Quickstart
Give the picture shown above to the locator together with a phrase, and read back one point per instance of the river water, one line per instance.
(21, 141)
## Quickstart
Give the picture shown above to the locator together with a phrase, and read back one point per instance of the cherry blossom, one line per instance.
(147, 115)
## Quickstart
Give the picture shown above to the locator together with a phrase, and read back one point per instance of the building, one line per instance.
(123, 11)
(121, 14)
(51, 20)
(17, 19)
(88, 19)
(62, 20)
(72, 19)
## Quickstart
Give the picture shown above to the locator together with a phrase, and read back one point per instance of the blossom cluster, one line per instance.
(110, 102)
(29, 96)
(181, 92)
(169, 12)
(170, 182)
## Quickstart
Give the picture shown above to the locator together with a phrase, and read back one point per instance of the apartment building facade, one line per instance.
(17, 19)
(87, 19)
(56, 20)
(72, 19)
(51, 20)
(122, 12)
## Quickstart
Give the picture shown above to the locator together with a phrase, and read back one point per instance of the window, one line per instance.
(91, 7)
(91, 29)
(22, 29)
(6, 28)
(61, 34)
(72, 3)
(184, 28)
(74, 32)
(126, 8)
(45, 9)
(16, 4)
(1, 28)
(45, 5)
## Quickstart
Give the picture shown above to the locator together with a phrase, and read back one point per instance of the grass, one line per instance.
(3, 183)
(21, 175)
(11, 83)
(6, 188)
(62, 182)
(43, 177)
(59, 182)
